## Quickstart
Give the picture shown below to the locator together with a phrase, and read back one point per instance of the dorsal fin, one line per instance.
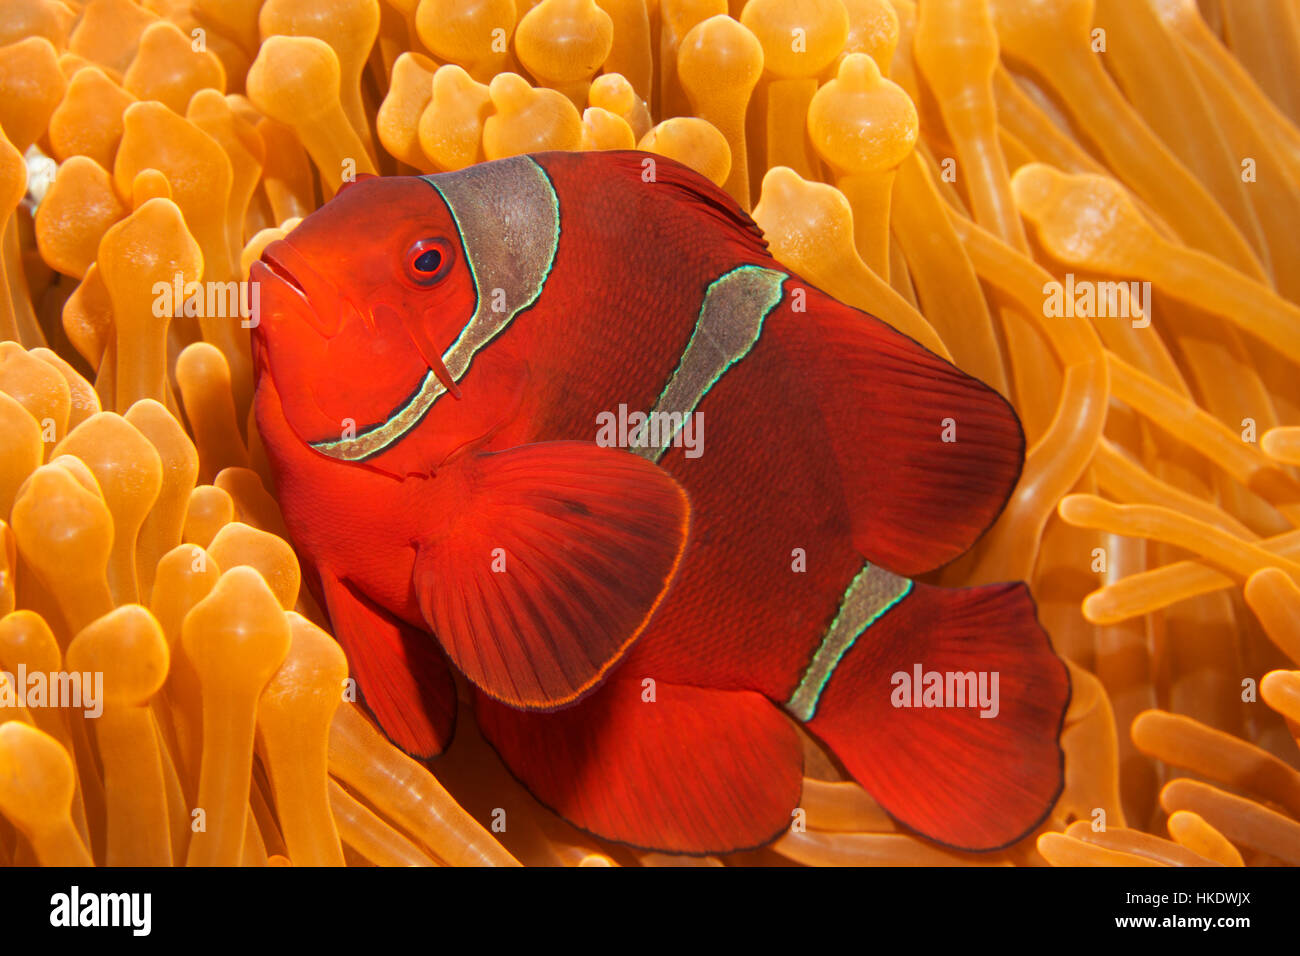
(688, 185)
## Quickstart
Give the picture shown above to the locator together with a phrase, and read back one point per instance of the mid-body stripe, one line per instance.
(508, 218)
(729, 323)
(869, 596)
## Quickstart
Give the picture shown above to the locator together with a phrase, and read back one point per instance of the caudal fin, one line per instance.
(970, 757)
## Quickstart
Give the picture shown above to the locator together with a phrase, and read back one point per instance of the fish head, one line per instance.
(357, 305)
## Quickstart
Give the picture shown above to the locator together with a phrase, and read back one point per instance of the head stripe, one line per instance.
(508, 217)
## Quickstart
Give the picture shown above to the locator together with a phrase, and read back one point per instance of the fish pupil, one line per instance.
(428, 261)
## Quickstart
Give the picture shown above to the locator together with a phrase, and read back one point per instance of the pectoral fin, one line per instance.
(551, 565)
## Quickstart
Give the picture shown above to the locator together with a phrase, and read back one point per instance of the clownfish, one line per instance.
(444, 368)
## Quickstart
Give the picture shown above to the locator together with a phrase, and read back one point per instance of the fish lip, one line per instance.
(263, 274)
(282, 272)
(317, 298)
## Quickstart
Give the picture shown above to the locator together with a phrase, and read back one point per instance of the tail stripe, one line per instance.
(871, 593)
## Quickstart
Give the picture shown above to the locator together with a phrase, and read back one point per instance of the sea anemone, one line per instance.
(1089, 204)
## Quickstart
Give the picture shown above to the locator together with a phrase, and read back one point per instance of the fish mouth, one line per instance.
(318, 301)
(279, 271)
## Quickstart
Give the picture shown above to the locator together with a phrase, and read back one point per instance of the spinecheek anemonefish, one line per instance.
(644, 627)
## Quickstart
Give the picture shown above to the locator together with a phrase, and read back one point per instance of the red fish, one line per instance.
(445, 368)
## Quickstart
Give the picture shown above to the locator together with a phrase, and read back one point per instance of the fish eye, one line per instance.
(428, 261)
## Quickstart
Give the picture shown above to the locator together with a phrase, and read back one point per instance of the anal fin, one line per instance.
(691, 771)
